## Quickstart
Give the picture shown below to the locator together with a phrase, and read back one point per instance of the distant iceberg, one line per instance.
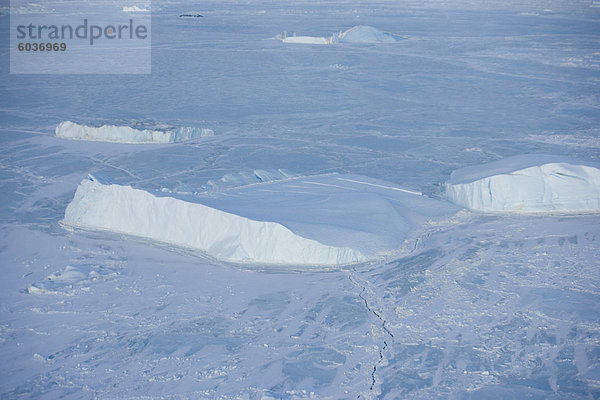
(365, 34)
(128, 134)
(134, 9)
(528, 184)
(357, 34)
(320, 220)
(305, 39)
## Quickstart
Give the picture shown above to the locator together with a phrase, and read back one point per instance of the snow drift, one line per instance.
(128, 134)
(321, 220)
(528, 184)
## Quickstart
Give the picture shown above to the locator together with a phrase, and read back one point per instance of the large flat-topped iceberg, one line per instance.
(321, 220)
(128, 134)
(528, 184)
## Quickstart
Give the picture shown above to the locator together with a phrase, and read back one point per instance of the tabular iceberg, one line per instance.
(321, 220)
(305, 39)
(528, 184)
(128, 134)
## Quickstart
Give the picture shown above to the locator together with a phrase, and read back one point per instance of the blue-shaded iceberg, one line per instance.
(365, 34)
(530, 183)
(356, 34)
(128, 134)
(319, 220)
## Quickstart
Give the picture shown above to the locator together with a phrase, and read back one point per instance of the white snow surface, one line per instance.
(528, 183)
(127, 134)
(337, 219)
(480, 306)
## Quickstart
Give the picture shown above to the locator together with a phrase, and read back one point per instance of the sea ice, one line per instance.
(528, 184)
(128, 134)
(319, 220)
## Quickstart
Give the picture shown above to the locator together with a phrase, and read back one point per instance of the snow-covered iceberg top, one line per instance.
(128, 134)
(356, 34)
(528, 184)
(321, 220)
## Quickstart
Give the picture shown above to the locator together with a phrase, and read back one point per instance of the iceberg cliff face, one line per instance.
(127, 134)
(226, 236)
(528, 184)
(321, 220)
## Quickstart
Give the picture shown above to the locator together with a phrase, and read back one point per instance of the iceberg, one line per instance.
(128, 134)
(365, 34)
(528, 184)
(324, 220)
(134, 9)
(246, 178)
(305, 39)
(356, 34)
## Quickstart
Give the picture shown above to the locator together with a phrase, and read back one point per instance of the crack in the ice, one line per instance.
(383, 326)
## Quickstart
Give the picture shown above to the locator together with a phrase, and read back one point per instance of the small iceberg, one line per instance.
(365, 34)
(304, 39)
(129, 134)
(134, 9)
(530, 183)
(322, 220)
(191, 15)
(357, 34)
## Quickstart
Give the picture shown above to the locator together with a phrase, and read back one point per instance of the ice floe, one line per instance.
(73, 279)
(128, 134)
(528, 184)
(328, 219)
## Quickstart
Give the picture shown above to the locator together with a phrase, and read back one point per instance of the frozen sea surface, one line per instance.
(480, 307)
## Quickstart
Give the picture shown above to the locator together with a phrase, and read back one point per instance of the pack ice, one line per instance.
(329, 219)
(528, 184)
(128, 134)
